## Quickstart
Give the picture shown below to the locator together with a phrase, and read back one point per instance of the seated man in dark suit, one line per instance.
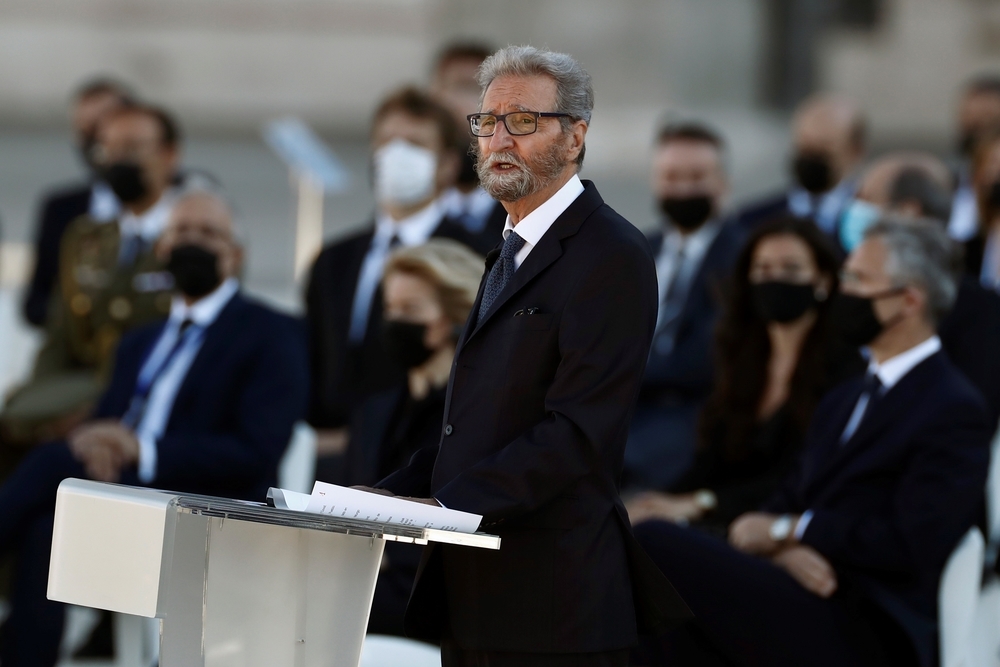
(842, 566)
(695, 250)
(60, 207)
(829, 142)
(204, 403)
(412, 140)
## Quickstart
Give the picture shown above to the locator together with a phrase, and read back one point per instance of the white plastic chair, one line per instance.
(993, 503)
(297, 469)
(958, 598)
(388, 651)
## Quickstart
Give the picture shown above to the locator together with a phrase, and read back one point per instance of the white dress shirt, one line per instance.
(889, 373)
(168, 381)
(104, 205)
(411, 231)
(826, 208)
(533, 226)
(964, 221)
(149, 225)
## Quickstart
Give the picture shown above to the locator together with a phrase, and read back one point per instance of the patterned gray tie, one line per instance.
(500, 274)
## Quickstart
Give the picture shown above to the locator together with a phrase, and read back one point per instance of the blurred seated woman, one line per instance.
(776, 356)
(428, 292)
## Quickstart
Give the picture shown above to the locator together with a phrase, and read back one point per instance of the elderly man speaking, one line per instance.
(543, 384)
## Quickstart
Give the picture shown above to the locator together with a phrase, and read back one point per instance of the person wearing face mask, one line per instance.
(202, 402)
(829, 143)
(982, 248)
(842, 564)
(454, 85)
(978, 116)
(428, 292)
(110, 280)
(413, 161)
(60, 207)
(777, 356)
(695, 248)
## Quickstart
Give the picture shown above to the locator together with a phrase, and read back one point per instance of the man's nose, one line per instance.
(501, 138)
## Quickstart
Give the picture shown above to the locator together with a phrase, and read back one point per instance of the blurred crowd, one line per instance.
(864, 294)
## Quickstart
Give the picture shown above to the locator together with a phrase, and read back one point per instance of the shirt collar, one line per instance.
(205, 310)
(413, 230)
(695, 244)
(892, 370)
(533, 226)
(148, 225)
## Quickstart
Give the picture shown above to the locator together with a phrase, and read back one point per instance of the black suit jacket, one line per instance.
(56, 211)
(892, 502)
(536, 415)
(235, 410)
(343, 373)
(970, 335)
(686, 371)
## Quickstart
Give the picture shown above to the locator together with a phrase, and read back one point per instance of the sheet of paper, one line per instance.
(354, 504)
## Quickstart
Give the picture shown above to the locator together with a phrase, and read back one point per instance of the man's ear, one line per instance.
(577, 138)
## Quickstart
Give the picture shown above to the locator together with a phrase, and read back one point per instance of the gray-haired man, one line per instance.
(545, 379)
(842, 566)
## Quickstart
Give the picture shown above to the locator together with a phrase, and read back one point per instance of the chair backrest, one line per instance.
(958, 597)
(386, 651)
(297, 469)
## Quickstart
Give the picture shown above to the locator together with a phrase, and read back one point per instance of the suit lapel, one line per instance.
(882, 416)
(548, 250)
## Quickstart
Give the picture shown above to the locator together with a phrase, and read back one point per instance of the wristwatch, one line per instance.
(781, 528)
(706, 500)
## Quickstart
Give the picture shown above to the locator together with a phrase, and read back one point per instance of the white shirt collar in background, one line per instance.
(205, 310)
(412, 230)
(150, 225)
(104, 205)
(891, 371)
(533, 226)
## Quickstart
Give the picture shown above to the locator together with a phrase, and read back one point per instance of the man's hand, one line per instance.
(651, 506)
(751, 533)
(808, 567)
(104, 448)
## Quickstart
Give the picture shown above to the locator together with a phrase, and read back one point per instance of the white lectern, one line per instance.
(234, 582)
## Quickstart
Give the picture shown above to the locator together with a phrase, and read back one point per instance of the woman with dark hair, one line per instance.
(776, 356)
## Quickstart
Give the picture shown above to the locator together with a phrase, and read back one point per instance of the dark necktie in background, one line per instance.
(500, 274)
(150, 372)
(872, 391)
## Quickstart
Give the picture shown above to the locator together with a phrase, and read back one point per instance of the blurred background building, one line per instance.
(226, 67)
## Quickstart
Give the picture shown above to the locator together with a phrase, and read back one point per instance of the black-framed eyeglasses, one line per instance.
(518, 123)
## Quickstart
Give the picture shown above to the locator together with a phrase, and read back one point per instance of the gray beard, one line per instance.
(527, 180)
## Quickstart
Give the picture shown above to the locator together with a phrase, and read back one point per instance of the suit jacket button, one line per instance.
(448, 429)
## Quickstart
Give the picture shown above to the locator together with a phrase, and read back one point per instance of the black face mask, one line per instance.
(966, 142)
(782, 302)
(854, 316)
(688, 213)
(995, 194)
(404, 343)
(467, 174)
(126, 180)
(195, 270)
(813, 172)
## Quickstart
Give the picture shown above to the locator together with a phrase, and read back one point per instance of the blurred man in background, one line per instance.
(695, 248)
(60, 207)
(843, 565)
(918, 185)
(412, 141)
(454, 86)
(829, 143)
(203, 402)
(978, 115)
(110, 280)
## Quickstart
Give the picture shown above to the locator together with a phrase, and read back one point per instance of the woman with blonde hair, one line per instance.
(428, 292)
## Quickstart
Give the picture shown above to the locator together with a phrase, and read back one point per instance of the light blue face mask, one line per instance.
(859, 216)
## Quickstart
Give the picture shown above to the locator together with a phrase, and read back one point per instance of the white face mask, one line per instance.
(404, 173)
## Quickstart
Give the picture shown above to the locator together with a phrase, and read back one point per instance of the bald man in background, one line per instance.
(918, 185)
(829, 144)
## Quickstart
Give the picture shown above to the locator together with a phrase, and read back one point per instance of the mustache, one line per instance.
(497, 158)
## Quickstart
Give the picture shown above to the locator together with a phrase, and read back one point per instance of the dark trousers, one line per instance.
(31, 635)
(454, 656)
(750, 612)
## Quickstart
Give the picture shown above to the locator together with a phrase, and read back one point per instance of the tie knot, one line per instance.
(511, 245)
(873, 386)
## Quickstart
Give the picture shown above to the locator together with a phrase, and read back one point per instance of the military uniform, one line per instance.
(106, 287)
